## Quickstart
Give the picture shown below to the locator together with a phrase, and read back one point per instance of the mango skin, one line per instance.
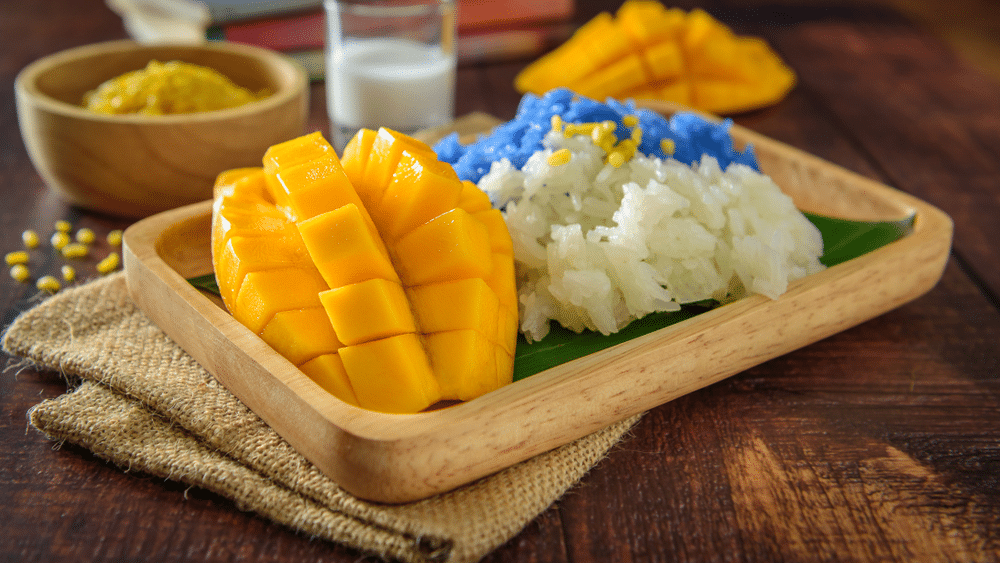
(377, 242)
(647, 51)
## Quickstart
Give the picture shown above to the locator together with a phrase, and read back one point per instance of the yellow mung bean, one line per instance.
(48, 283)
(668, 146)
(59, 239)
(557, 123)
(85, 236)
(560, 157)
(109, 264)
(74, 250)
(30, 238)
(20, 272)
(16, 257)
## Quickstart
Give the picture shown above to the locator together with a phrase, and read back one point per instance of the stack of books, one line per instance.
(488, 30)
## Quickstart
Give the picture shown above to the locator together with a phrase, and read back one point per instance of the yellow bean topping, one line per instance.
(30, 238)
(109, 264)
(59, 239)
(16, 257)
(168, 88)
(560, 157)
(20, 272)
(48, 283)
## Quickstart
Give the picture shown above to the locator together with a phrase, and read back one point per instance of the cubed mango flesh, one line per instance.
(649, 51)
(464, 362)
(419, 191)
(393, 293)
(345, 248)
(452, 246)
(301, 335)
(244, 254)
(267, 292)
(328, 372)
(393, 373)
(368, 310)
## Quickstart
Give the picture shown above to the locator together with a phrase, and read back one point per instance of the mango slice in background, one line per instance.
(649, 51)
(383, 277)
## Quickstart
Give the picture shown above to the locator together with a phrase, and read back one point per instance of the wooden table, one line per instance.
(881, 443)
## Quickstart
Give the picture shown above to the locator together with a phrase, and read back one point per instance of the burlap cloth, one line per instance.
(138, 400)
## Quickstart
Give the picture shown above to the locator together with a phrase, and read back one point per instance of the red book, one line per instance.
(480, 14)
(307, 30)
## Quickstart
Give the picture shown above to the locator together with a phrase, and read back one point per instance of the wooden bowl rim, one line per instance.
(26, 82)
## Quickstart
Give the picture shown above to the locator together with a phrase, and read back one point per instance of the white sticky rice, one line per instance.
(596, 246)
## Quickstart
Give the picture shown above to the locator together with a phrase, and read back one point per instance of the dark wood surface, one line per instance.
(881, 443)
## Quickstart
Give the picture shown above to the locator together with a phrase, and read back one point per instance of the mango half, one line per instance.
(382, 276)
(649, 51)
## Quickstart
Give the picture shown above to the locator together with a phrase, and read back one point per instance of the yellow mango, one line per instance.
(244, 254)
(505, 369)
(344, 248)
(552, 71)
(473, 199)
(464, 363)
(419, 191)
(500, 240)
(649, 23)
(301, 335)
(240, 185)
(267, 292)
(370, 365)
(451, 246)
(402, 291)
(501, 279)
(296, 151)
(621, 75)
(328, 372)
(368, 310)
(507, 328)
(239, 207)
(314, 187)
(649, 51)
(462, 304)
(665, 61)
(355, 157)
(382, 159)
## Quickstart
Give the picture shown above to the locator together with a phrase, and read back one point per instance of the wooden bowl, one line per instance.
(138, 165)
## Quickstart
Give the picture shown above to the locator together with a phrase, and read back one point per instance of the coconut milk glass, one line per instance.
(389, 64)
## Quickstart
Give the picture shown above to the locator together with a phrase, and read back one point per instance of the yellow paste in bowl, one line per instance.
(167, 88)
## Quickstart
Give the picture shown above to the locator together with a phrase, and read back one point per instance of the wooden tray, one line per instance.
(398, 458)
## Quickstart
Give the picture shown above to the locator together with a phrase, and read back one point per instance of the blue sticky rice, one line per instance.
(517, 140)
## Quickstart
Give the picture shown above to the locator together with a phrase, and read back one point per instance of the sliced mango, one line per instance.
(244, 254)
(385, 278)
(301, 335)
(414, 385)
(463, 304)
(649, 51)
(329, 373)
(344, 248)
(464, 362)
(267, 292)
(453, 245)
(368, 310)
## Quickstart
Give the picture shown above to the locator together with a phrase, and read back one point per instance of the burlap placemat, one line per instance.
(141, 402)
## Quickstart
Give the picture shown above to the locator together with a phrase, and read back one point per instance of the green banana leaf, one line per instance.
(842, 240)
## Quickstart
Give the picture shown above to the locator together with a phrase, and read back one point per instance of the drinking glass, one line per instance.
(389, 64)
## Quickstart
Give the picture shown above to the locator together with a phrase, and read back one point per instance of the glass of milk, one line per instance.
(389, 63)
